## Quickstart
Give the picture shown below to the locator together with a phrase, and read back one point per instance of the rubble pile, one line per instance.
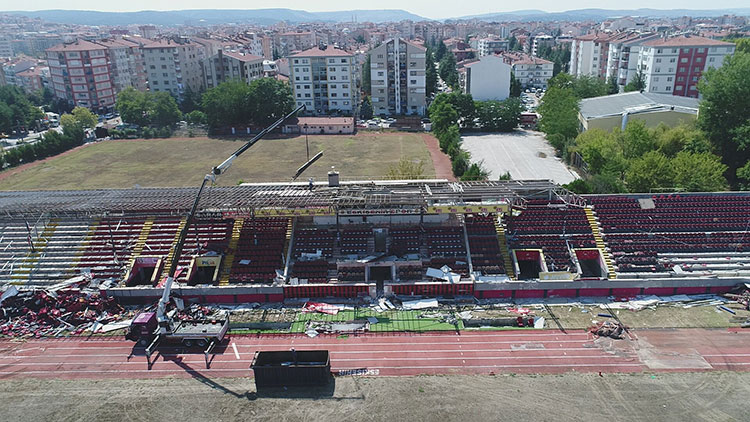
(42, 313)
(610, 329)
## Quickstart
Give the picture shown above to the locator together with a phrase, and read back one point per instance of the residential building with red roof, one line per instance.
(231, 65)
(323, 79)
(80, 72)
(530, 71)
(674, 65)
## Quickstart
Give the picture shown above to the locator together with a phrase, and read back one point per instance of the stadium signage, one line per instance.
(467, 209)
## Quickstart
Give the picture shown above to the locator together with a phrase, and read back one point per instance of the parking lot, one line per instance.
(524, 154)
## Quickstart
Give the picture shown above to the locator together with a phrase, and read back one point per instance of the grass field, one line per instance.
(183, 162)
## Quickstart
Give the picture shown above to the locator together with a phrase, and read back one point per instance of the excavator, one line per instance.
(152, 328)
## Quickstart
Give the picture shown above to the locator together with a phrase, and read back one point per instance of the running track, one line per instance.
(544, 351)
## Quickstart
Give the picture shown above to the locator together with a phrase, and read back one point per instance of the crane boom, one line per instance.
(165, 324)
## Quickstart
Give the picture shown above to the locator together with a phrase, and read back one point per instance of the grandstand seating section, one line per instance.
(261, 243)
(648, 240)
(484, 246)
(404, 240)
(354, 241)
(548, 228)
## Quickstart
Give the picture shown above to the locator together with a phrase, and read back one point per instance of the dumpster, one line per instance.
(291, 368)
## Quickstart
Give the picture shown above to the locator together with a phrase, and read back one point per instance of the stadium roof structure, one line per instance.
(634, 102)
(285, 199)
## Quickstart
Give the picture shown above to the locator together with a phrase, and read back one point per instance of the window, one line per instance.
(413, 73)
(331, 61)
(296, 61)
(669, 79)
(711, 59)
(696, 69)
(671, 70)
(695, 78)
(680, 79)
(165, 74)
(669, 88)
(701, 50)
(299, 95)
(658, 51)
(306, 78)
(674, 51)
(343, 60)
(658, 60)
(345, 86)
(683, 60)
(166, 82)
(155, 83)
(296, 78)
(307, 86)
(686, 50)
(163, 66)
(698, 59)
(153, 67)
(307, 95)
(333, 94)
(380, 56)
(657, 69)
(692, 87)
(331, 69)
(380, 73)
(656, 79)
(672, 60)
(682, 70)
(333, 86)
(413, 81)
(678, 88)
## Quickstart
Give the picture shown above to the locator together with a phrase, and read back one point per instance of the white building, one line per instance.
(486, 79)
(588, 55)
(173, 67)
(397, 77)
(622, 57)
(674, 65)
(540, 41)
(530, 71)
(490, 46)
(323, 80)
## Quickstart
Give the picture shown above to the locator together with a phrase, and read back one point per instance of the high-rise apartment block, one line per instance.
(397, 75)
(80, 73)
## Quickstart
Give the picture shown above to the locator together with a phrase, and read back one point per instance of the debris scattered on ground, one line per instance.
(610, 329)
(65, 308)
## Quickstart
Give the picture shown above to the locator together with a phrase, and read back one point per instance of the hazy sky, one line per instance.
(427, 8)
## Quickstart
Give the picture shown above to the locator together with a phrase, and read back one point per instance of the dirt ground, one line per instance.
(709, 396)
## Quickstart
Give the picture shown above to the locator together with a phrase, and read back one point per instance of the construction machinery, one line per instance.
(151, 328)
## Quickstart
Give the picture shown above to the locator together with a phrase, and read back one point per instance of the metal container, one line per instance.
(291, 368)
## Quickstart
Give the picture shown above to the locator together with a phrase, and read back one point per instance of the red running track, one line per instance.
(495, 352)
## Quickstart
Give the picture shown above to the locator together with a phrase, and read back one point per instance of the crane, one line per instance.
(151, 327)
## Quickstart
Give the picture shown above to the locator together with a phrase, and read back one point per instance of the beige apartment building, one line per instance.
(397, 75)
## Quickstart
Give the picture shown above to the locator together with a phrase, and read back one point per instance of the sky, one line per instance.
(427, 8)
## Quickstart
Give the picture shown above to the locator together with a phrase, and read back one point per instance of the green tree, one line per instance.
(499, 116)
(743, 176)
(269, 100)
(133, 106)
(227, 104)
(638, 83)
(442, 116)
(589, 86)
(6, 118)
(22, 112)
(365, 111)
(601, 151)
(515, 86)
(651, 171)
(450, 141)
(699, 172)
(191, 100)
(636, 139)
(559, 112)
(460, 163)
(742, 45)
(612, 87)
(163, 109)
(85, 117)
(441, 50)
(430, 75)
(475, 172)
(448, 71)
(367, 77)
(406, 169)
(196, 117)
(724, 110)
(462, 103)
(684, 137)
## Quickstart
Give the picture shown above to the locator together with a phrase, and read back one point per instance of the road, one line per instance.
(479, 352)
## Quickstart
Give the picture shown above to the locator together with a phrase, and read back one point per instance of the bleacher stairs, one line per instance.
(229, 258)
(168, 259)
(596, 231)
(507, 262)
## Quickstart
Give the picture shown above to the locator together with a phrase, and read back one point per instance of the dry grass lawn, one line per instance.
(183, 162)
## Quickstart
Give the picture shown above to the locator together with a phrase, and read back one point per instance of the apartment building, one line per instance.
(231, 65)
(397, 76)
(588, 55)
(530, 71)
(622, 57)
(80, 73)
(33, 79)
(486, 79)
(539, 41)
(490, 46)
(6, 48)
(126, 64)
(173, 67)
(257, 45)
(323, 80)
(674, 65)
(289, 42)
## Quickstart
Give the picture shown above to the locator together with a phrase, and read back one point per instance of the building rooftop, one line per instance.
(686, 41)
(616, 104)
(243, 57)
(329, 51)
(79, 45)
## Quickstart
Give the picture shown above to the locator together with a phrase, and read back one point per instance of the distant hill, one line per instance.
(215, 16)
(600, 14)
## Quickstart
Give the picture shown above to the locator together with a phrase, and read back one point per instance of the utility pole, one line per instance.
(307, 145)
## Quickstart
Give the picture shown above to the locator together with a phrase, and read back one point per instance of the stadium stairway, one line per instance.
(500, 229)
(141, 242)
(168, 260)
(229, 259)
(596, 231)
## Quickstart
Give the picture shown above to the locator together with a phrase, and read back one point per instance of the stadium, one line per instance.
(337, 239)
